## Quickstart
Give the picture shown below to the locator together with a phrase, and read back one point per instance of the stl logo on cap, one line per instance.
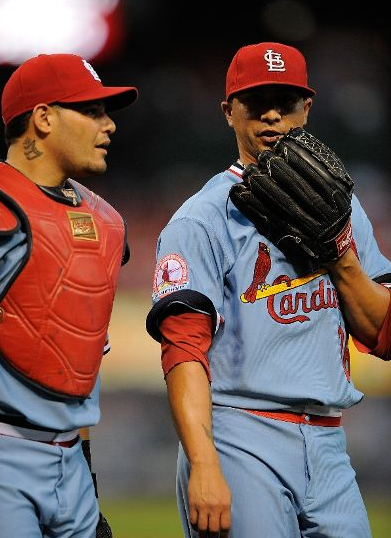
(274, 61)
(91, 70)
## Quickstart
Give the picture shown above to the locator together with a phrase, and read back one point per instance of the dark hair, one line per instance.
(16, 128)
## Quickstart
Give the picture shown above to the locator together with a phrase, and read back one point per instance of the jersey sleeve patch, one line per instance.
(171, 275)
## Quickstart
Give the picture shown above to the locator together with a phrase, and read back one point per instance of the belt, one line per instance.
(66, 444)
(63, 439)
(298, 418)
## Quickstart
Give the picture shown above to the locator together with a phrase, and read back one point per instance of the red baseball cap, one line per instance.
(267, 63)
(58, 78)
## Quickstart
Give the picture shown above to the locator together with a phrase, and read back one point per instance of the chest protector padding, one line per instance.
(57, 311)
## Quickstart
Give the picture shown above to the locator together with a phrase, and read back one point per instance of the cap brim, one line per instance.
(305, 89)
(115, 97)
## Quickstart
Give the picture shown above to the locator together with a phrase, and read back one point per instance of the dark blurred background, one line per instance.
(174, 139)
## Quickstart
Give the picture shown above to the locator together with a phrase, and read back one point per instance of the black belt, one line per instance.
(19, 420)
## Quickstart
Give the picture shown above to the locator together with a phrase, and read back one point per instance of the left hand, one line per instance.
(299, 197)
(209, 501)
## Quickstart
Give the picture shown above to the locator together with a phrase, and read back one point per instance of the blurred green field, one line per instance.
(158, 518)
(142, 518)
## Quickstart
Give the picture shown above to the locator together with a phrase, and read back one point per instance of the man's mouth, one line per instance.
(269, 137)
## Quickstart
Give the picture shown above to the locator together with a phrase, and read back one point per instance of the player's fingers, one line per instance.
(193, 518)
(203, 524)
(214, 525)
(218, 526)
(208, 534)
(225, 523)
(199, 520)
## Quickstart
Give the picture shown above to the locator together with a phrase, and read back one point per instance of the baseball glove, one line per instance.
(103, 529)
(299, 197)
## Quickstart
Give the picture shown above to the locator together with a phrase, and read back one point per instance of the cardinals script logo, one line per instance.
(284, 304)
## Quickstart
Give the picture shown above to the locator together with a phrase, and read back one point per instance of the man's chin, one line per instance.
(92, 171)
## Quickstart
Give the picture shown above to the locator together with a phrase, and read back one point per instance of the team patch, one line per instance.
(82, 226)
(171, 275)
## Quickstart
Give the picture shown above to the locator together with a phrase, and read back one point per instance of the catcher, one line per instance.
(61, 250)
(260, 279)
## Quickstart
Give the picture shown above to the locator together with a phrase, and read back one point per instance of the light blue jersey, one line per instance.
(283, 342)
(45, 411)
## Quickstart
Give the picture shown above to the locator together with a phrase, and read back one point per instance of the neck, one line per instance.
(34, 167)
(244, 161)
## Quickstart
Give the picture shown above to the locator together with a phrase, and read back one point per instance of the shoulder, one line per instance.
(92, 199)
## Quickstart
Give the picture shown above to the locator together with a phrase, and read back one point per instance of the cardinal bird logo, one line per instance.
(261, 270)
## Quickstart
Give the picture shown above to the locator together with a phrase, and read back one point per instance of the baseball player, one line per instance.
(254, 342)
(61, 249)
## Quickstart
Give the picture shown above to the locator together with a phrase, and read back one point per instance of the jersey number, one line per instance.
(345, 353)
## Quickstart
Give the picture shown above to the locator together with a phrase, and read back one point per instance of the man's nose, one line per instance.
(271, 115)
(108, 124)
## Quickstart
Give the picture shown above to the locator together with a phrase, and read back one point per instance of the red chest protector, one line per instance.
(56, 313)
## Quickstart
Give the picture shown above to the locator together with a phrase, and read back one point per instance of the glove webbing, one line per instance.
(102, 529)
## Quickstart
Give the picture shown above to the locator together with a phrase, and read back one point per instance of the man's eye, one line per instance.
(94, 111)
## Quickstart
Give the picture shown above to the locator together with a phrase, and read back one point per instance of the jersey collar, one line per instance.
(236, 168)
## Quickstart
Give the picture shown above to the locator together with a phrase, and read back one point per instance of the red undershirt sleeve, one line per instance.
(186, 337)
(383, 346)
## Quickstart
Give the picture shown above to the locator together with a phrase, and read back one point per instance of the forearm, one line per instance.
(208, 493)
(363, 301)
(190, 401)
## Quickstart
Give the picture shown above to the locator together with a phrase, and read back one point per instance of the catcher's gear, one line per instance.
(299, 197)
(103, 529)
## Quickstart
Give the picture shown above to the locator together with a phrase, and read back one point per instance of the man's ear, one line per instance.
(41, 117)
(307, 106)
(226, 107)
